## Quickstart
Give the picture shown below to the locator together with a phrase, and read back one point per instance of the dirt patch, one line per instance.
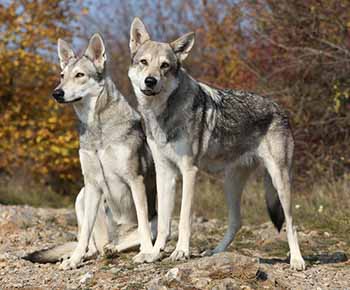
(257, 259)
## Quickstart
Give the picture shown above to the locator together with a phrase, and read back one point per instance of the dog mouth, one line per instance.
(63, 101)
(149, 92)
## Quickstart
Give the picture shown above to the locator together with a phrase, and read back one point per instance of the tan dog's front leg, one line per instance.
(166, 185)
(189, 173)
(139, 195)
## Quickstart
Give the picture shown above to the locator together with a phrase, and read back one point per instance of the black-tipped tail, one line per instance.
(273, 203)
(51, 255)
(276, 214)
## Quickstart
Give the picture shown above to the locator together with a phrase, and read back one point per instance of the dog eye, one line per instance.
(79, 75)
(144, 62)
(62, 76)
(164, 65)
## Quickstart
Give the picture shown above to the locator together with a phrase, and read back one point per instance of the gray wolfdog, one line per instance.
(119, 177)
(191, 126)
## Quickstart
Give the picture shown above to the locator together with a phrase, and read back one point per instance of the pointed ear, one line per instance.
(96, 51)
(183, 45)
(138, 35)
(65, 52)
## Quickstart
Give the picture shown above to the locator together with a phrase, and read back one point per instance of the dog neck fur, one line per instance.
(88, 109)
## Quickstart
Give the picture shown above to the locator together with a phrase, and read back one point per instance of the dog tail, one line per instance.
(51, 255)
(273, 203)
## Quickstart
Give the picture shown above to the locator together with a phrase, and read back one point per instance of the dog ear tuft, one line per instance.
(183, 45)
(96, 51)
(138, 35)
(65, 52)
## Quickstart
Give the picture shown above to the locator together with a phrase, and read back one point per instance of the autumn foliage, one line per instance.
(297, 52)
(37, 136)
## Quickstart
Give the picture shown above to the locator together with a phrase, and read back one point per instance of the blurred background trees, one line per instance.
(37, 138)
(297, 52)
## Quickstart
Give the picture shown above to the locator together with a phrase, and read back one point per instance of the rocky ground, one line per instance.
(257, 260)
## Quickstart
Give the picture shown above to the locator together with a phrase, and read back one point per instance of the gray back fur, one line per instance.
(224, 124)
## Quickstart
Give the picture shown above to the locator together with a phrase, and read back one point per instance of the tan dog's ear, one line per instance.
(138, 35)
(65, 52)
(96, 51)
(183, 45)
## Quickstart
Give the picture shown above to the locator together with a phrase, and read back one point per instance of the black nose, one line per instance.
(58, 94)
(150, 82)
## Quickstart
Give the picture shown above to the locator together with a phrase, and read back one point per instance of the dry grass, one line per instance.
(324, 206)
(322, 198)
(23, 191)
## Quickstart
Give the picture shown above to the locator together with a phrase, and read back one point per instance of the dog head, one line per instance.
(154, 65)
(81, 77)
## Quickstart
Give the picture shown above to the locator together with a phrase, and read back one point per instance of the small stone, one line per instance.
(201, 219)
(299, 275)
(202, 283)
(320, 209)
(85, 278)
(114, 270)
(173, 274)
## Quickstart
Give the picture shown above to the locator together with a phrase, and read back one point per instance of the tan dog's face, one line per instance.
(154, 68)
(80, 77)
(153, 72)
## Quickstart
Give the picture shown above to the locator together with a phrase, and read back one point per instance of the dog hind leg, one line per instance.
(130, 241)
(277, 160)
(234, 183)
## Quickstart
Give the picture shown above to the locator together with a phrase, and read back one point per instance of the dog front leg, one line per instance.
(166, 185)
(92, 198)
(139, 196)
(189, 173)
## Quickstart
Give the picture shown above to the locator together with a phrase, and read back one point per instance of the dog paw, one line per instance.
(91, 254)
(110, 251)
(297, 264)
(159, 245)
(179, 255)
(146, 257)
(69, 264)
